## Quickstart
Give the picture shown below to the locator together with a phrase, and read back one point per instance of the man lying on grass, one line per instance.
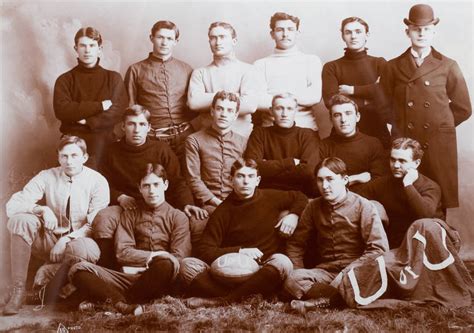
(247, 222)
(348, 231)
(154, 236)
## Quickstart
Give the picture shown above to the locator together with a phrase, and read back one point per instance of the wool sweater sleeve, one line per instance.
(312, 94)
(106, 169)
(68, 110)
(198, 98)
(423, 198)
(131, 84)
(193, 171)
(379, 164)
(330, 82)
(386, 98)
(125, 244)
(210, 247)
(370, 91)
(372, 233)
(296, 244)
(100, 197)
(460, 103)
(249, 92)
(118, 96)
(180, 240)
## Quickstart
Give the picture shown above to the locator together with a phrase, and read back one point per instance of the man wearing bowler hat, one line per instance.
(426, 97)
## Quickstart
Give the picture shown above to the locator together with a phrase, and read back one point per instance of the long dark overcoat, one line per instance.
(426, 103)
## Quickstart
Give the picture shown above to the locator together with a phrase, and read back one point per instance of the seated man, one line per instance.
(88, 99)
(209, 157)
(363, 155)
(406, 194)
(227, 73)
(348, 231)
(288, 69)
(246, 222)
(154, 235)
(285, 153)
(74, 194)
(122, 165)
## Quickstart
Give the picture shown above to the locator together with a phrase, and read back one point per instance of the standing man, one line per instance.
(363, 155)
(427, 96)
(227, 73)
(289, 70)
(285, 153)
(210, 154)
(356, 75)
(247, 222)
(159, 83)
(406, 194)
(88, 99)
(74, 194)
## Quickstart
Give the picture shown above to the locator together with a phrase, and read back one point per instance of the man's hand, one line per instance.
(127, 202)
(287, 224)
(410, 177)
(195, 211)
(297, 161)
(363, 177)
(50, 220)
(215, 201)
(252, 252)
(106, 104)
(346, 90)
(154, 254)
(57, 252)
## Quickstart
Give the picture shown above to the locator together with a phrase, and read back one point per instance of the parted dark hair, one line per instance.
(224, 25)
(280, 16)
(165, 25)
(155, 168)
(335, 164)
(90, 32)
(243, 162)
(339, 99)
(72, 140)
(136, 110)
(354, 19)
(226, 95)
(408, 143)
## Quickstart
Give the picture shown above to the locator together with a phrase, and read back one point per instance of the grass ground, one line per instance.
(256, 314)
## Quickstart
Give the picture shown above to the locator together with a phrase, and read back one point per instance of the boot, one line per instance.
(16, 301)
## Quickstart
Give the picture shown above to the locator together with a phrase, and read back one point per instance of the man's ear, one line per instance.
(86, 158)
(407, 31)
(259, 178)
(166, 184)
(151, 38)
(75, 48)
(346, 179)
(417, 163)
(357, 117)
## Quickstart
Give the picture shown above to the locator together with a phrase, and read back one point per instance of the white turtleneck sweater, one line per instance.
(295, 72)
(229, 74)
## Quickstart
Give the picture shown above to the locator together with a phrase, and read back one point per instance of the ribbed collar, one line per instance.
(352, 55)
(339, 138)
(83, 68)
(224, 61)
(210, 130)
(75, 177)
(238, 202)
(134, 149)
(284, 53)
(282, 131)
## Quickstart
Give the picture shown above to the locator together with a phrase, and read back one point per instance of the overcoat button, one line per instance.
(426, 125)
(427, 104)
(427, 83)
(410, 126)
(410, 103)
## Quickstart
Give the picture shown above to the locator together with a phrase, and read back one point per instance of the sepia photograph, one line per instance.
(237, 166)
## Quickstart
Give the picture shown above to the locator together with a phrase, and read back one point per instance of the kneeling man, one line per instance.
(154, 237)
(348, 231)
(246, 222)
(74, 194)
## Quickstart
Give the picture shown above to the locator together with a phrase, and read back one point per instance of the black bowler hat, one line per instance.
(421, 15)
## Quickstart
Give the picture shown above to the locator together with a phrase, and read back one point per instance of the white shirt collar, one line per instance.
(423, 55)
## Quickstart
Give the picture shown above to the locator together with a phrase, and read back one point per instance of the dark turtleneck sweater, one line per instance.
(362, 71)
(124, 165)
(360, 152)
(403, 204)
(249, 223)
(78, 94)
(274, 148)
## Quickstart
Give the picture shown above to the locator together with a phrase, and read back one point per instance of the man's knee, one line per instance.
(82, 249)
(281, 263)
(24, 225)
(190, 268)
(106, 221)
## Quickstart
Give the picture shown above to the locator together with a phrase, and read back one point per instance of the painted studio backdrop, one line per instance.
(37, 46)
